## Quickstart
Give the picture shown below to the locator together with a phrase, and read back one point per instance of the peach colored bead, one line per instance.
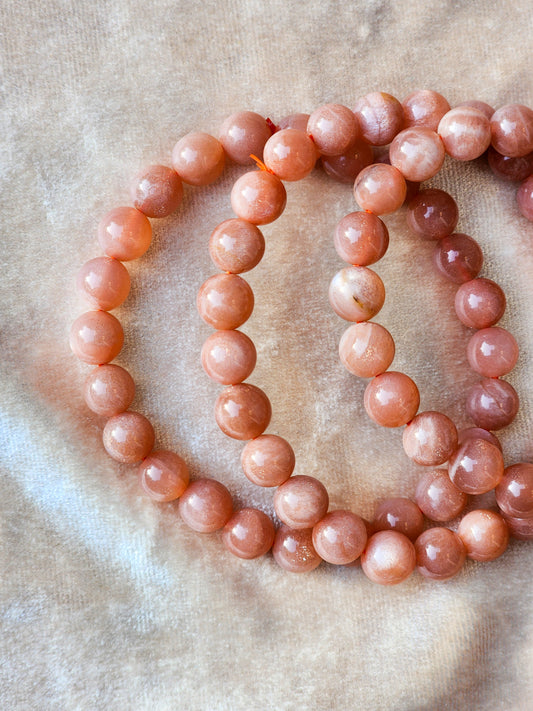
(389, 558)
(465, 132)
(437, 496)
(424, 108)
(205, 506)
(476, 466)
(128, 437)
(258, 197)
(340, 537)
(430, 438)
(458, 257)
(225, 301)
(380, 188)
(248, 534)
(268, 460)
(163, 476)
(361, 238)
(333, 128)
(356, 293)
(236, 246)
(198, 158)
(96, 337)
(290, 154)
(228, 357)
(366, 349)
(524, 198)
(380, 117)
(479, 433)
(480, 106)
(512, 130)
(432, 214)
(294, 550)
(520, 528)
(484, 533)
(391, 399)
(298, 121)
(492, 352)
(157, 191)
(440, 553)
(399, 514)
(124, 233)
(514, 493)
(109, 390)
(301, 501)
(346, 167)
(104, 283)
(508, 168)
(418, 153)
(492, 404)
(479, 303)
(243, 411)
(244, 134)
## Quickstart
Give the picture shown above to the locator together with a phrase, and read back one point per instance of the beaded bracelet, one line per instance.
(420, 131)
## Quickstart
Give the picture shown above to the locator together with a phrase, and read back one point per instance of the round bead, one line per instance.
(361, 238)
(198, 158)
(391, 399)
(258, 197)
(418, 153)
(301, 501)
(520, 528)
(333, 128)
(492, 352)
(399, 514)
(478, 433)
(479, 303)
(347, 166)
(297, 121)
(243, 411)
(356, 293)
(480, 106)
(512, 130)
(484, 533)
(96, 337)
(524, 198)
(268, 460)
(157, 191)
(294, 550)
(476, 466)
(244, 134)
(290, 154)
(380, 117)
(236, 246)
(109, 390)
(440, 553)
(424, 108)
(458, 257)
(366, 349)
(248, 534)
(432, 214)
(128, 437)
(430, 438)
(514, 493)
(206, 505)
(104, 283)
(437, 496)
(508, 168)
(124, 233)
(380, 188)
(465, 132)
(228, 357)
(225, 301)
(340, 537)
(389, 558)
(163, 476)
(492, 404)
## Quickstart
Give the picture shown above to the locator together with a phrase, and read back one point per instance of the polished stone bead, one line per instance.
(479, 303)
(333, 129)
(380, 188)
(391, 399)
(492, 352)
(399, 514)
(244, 134)
(225, 301)
(389, 558)
(492, 404)
(512, 130)
(418, 153)
(476, 466)
(163, 476)
(243, 411)
(198, 158)
(514, 493)
(458, 257)
(268, 460)
(440, 553)
(437, 496)
(228, 357)
(432, 214)
(206, 505)
(109, 390)
(290, 154)
(104, 283)
(124, 233)
(361, 238)
(366, 349)
(380, 117)
(484, 534)
(356, 293)
(248, 534)
(301, 501)
(424, 108)
(96, 337)
(128, 437)
(293, 550)
(340, 537)
(157, 191)
(465, 132)
(258, 197)
(236, 246)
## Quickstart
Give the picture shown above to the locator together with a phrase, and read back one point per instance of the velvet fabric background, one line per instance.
(107, 600)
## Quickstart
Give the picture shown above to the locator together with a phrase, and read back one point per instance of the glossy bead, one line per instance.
(96, 337)
(476, 466)
(124, 233)
(293, 550)
(244, 134)
(479, 303)
(268, 460)
(346, 167)
(340, 537)
(389, 558)
(236, 246)
(418, 153)
(430, 438)
(225, 301)
(432, 214)
(484, 533)
(366, 349)
(248, 534)
(198, 158)
(492, 404)
(361, 238)
(128, 437)
(298, 121)
(399, 514)
(480, 106)
(514, 493)
(206, 505)
(478, 433)
(290, 154)
(109, 390)
(424, 108)
(512, 130)
(104, 283)
(380, 117)
(391, 399)
(465, 132)
(333, 129)
(163, 476)
(301, 501)
(243, 411)
(228, 357)
(437, 496)
(440, 553)
(492, 352)
(356, 293)
(520, 528)
(458, 257)
(524, 198)
(380, 188)
(509, 168)
(258, 197)
(157, 191)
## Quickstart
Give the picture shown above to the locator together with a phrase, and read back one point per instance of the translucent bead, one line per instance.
(236, 246)
(243, 411)
(128, 437)
(465, 132)
(492, 404)
(524, 198)
(109, 390)
(124, 233)
(290, 154)
(244, 134)
(340, 537)
(380, 188)
(380, 117)
(333, 128)
(391, 399)
(356, 293)
(96, 337)
(478, 433)
(205, 506)
(361, 238)
(163, 476)
(424, 108)
(440, 553)
(198, 158)
(430, 438)
(346, 167)
(432, 214)
(301, 501)
(458, 257)
(512, 130)
(509, 168)
(399, 514)
(484, 534)
(480, 106)
(514, 493)
(437, 496)
(268, 460)
(389, 558)
(225, 301)
(157, 191)
(479, 303)
(418, 153)
(476, 466)
(366, 349)
(228, 357)
(258, 197)
(520, 528)
(104, 283)
(248, 534)
(293, 550)
(298, 121)
(492, 352)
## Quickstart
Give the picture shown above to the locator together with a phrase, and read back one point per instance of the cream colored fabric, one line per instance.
(108, 601)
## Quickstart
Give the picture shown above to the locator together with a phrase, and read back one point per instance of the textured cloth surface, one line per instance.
(107, 600)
